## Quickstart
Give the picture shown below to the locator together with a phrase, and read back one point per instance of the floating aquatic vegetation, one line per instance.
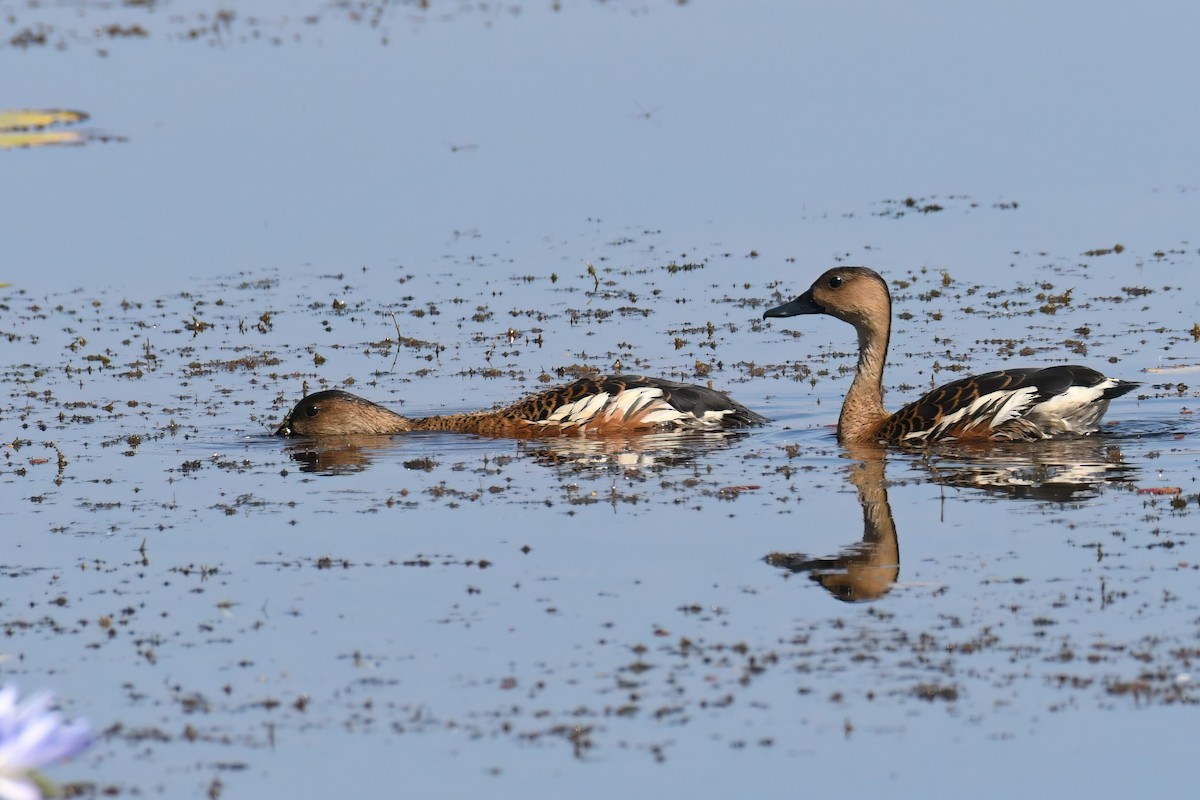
(38, 128)
(34, 127)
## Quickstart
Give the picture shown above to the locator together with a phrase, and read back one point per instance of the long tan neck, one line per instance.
(862, 412)
(487, 423)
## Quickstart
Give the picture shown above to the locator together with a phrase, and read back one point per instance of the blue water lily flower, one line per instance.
(31, 737)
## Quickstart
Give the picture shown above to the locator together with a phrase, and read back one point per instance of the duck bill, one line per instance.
(804, 304)
(285, 427)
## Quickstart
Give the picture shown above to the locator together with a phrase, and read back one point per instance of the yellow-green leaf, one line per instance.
(19, 119)
(39, 139)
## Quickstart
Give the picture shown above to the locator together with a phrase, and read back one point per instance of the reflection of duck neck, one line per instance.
(871, 571)
(868, 569)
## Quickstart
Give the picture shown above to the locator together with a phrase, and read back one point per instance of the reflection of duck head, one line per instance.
(337, 455)
(867, 569)
(1060, 471)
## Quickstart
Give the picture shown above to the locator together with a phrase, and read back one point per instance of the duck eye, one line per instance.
(312, 411)
(835, 281)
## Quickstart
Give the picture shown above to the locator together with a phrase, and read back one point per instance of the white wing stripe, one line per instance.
(1013, 406)
(645, 403)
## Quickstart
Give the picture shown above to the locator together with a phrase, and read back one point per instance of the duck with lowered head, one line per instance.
(605, 404)
(1025, 404)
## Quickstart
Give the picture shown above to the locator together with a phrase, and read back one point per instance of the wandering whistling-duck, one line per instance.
(1007, 405)
(597, 405)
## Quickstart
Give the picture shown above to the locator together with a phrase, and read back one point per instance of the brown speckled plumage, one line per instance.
(1007, 405)
(603, 404)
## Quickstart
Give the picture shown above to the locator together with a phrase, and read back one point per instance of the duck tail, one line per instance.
(1119, 388)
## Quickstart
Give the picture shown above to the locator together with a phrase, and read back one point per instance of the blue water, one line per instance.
(443, 614)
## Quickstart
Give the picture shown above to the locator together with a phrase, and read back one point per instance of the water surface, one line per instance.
(405, 203)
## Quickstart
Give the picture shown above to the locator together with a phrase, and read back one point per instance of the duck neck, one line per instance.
(388, 422)
(862, 412)
(463, 423)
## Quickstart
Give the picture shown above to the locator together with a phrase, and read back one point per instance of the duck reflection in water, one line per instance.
(339, 455)
(868, 569)
(1064, 471)
(633, 455)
